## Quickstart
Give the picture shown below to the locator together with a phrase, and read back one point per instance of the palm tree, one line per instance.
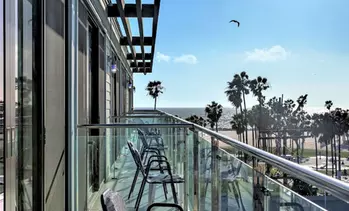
(303, 119)
(252, 121)
(197, 120)
(316, 131)
(258, 86)
(236, 92)
(322, 128)
(154, 89)
(238, 123)
(330, 129)
(279, 112)
(214, 112)
(341, 127)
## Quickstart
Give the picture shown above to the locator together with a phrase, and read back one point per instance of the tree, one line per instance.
(322, 128)
(238, 123)
(341, 127)
(154, 89)
(213, 112)
(257, 87)
(197, 120)
(300, 122)
(236, 92)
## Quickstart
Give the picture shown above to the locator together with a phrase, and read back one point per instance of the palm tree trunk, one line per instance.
(155, 103)
(217, 127)
(298, 151)
(302, 148)
(339, 158)
(316, 161)
(245, 115)
(253, 135)
(335, 155)
(243, 135)
(332, 157)
(326, 157)
(256, 134)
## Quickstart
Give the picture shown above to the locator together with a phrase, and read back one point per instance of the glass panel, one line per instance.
(204, 172)
(24, 103)
(2, 106)
(236, 188)
(190, 169)
(123, 167)
(282, 198)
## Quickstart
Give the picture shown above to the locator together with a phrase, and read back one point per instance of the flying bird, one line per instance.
(235, 21)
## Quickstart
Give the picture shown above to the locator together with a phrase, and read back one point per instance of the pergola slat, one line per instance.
(141, 64)
(121, 5)
(155, 27)
(140, 27)
(147, 56)
(137, 41)
(141, 70)
(131, 11)
(140, 60)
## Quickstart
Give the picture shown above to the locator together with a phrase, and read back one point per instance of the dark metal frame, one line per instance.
(159, 159)
(140, 11)
(146, 150)
(165, 205)
(38, 111)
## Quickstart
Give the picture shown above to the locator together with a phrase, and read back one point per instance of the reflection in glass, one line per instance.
(1, 109)
(24, 105)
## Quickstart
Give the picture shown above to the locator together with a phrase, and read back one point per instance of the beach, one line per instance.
(308, 144)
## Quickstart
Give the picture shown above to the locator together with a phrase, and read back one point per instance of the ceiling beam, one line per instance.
(140, 64)
(121, 5)
(131, 11)
(137, 40)
(155, 27)
(147, 56)
(140, 28)
(141, 70)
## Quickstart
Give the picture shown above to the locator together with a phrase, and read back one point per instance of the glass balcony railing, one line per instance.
(219, 173)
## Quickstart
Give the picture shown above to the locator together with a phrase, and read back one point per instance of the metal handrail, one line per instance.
(138, 116)
(144, 111)
(122, 125)
(333, 186)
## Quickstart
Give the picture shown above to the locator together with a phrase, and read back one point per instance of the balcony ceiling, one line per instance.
(140, 11)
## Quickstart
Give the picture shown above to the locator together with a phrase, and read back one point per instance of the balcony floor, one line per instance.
(125, 172)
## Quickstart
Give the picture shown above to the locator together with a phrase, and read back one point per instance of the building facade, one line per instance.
(61, 65)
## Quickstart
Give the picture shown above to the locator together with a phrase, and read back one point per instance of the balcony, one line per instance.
(219, 173)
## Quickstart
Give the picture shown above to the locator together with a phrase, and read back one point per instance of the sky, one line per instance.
(301, 47)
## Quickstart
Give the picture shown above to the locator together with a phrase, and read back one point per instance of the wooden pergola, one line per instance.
(141, 62)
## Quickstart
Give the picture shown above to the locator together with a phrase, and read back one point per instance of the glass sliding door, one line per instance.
(2, 109)
(91, 144)
(24, 103)
(10, 65)
(17, 104)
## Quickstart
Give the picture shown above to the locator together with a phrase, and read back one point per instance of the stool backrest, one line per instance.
(136, 157)
(112, 201)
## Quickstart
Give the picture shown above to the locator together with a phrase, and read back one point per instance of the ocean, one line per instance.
(224, 122)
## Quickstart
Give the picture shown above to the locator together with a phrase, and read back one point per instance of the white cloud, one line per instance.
(187, 58)
(162, 57)
(272, 54)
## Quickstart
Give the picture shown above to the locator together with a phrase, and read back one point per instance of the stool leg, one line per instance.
(139, 197)
(150, 194)
(133, 183)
